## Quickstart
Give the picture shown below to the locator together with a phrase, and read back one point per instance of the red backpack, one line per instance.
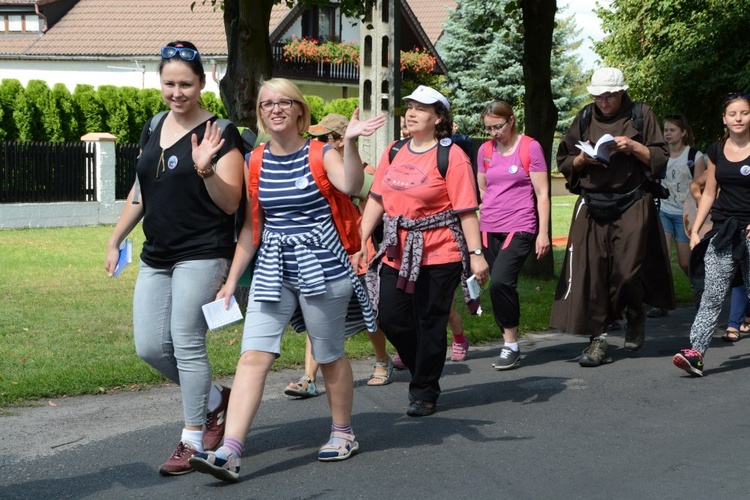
(346, 217)
(523, 152)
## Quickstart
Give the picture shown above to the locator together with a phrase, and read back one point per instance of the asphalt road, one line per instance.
(635, 428)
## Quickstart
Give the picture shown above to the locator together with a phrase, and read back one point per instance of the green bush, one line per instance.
(67, 112)
(316, 107)
(210, 102)
(89, 110)
(23, 116)
(9, 89)
(37, 97)
(342, 106)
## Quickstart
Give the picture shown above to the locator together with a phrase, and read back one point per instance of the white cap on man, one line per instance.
(428, 95)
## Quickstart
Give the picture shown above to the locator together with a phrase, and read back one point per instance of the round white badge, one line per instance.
(445, 142)
(301, 183)
(745, 170)
(513, 169)
(172, 162)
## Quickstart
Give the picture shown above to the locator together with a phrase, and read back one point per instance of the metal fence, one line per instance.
(126, 156)
(42, 172)
(47, 172)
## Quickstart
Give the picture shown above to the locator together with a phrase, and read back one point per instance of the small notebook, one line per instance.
(217, 317)
(475, 291)
(126, 257)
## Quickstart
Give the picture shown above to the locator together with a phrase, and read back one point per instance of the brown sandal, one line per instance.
(732, 335)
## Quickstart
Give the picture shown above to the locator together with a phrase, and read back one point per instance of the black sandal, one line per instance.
(731, 336)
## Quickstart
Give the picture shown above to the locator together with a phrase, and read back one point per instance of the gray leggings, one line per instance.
(720, 269)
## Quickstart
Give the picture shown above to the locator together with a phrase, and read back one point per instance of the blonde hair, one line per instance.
(286, 87)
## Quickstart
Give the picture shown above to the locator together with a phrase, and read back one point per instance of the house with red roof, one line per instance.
(116, 42)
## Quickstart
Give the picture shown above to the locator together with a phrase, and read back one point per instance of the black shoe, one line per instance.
(419, 408)
(595, 354)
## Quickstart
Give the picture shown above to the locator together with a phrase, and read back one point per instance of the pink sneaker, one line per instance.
(460, 351)
(398, 364)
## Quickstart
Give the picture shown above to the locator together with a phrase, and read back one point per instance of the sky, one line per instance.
(588, 23)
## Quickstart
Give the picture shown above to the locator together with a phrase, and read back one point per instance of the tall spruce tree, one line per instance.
(484, 48)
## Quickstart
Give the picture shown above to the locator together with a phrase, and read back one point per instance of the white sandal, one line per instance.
(340, 446)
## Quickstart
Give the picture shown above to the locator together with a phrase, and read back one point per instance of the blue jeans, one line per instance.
(170, 330)
(739, 307)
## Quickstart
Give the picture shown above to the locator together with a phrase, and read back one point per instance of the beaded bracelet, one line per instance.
(206, 172)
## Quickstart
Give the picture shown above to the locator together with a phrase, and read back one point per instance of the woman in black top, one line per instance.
(728, 174)
(187, 190)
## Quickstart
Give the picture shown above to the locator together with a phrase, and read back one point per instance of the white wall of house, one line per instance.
(121, 73)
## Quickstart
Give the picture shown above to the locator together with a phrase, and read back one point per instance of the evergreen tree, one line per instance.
(52, 128)
(484, 48)
(23, 116)
(37, 97)
(67, 111)
(89, 111)
(9, 89)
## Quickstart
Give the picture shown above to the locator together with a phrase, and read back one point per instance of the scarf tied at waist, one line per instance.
(411, 254)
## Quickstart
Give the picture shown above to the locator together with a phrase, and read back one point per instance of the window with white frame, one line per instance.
(15, 23)
(32, 23)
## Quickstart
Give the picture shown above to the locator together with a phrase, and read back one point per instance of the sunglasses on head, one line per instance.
(737, 95)
(185, 53)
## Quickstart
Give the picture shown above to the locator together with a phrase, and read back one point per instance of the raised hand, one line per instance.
(368, 127)
(209, 146)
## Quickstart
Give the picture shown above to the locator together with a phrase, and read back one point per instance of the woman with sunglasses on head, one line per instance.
(431, 241)
(684, 164)
(187, 190)
(514, 217)
(727, 197)
(301, 263)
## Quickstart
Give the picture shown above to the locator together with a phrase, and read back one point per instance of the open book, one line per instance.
(126, 257)
(600, 150)
(219, 317)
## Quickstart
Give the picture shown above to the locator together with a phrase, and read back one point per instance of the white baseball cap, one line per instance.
(428, 95)
(606, 80)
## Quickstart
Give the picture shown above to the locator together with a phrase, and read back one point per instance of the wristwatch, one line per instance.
(477, 251)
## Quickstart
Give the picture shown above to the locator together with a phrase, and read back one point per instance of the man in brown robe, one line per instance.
(617, 256)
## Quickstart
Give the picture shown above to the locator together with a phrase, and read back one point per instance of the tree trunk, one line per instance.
(540, 110)
(249, 57)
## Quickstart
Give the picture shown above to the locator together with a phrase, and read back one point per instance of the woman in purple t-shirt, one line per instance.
(513, 218)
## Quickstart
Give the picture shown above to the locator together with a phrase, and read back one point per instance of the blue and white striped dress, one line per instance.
(300, 243)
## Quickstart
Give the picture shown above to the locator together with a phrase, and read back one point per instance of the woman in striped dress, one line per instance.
(301, 263)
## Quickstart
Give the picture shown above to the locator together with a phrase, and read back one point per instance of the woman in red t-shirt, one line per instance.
(431, 241)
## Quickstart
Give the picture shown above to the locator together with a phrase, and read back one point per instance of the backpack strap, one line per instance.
(524, 152)
(317, 168)
(156, 120)
(487, 153)
(692, 153)
(254, 162)
(443, 153)
(636, 115)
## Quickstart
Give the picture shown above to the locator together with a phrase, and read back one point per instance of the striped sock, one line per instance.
(230, 446)
(346, 429)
